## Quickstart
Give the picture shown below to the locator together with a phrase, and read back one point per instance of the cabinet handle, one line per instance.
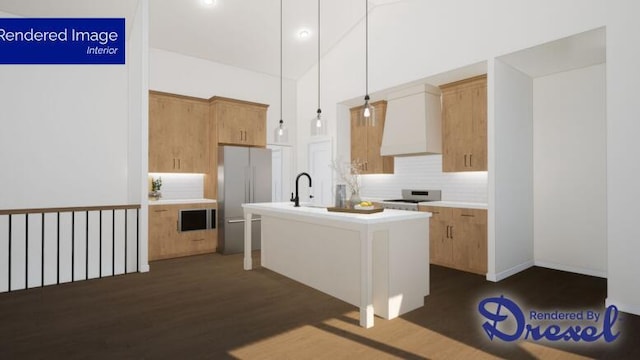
(179, 164)
(469, 215)
(470, 157)
(197, 240)
(447, 232)
(451, 227)
(163, 210)
(174, 163)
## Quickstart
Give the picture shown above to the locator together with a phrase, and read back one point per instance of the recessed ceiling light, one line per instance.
(304, 34)
(209, 3)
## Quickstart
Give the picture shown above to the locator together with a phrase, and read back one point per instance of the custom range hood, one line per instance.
(412, 123)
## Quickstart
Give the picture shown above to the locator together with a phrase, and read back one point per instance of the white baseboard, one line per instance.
(631, 309)
(495, 277)
(573, 269)
(144, 268)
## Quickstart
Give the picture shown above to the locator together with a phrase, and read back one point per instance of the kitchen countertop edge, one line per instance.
(181, 201)
(456, 204)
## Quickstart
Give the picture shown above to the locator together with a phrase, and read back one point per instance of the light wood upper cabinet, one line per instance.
(165, 241)
(464, 125)
(458, 238)
(240, 122)
(366, 141)
(178, 134)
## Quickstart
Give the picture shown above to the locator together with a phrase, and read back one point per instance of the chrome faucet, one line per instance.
(296, 199)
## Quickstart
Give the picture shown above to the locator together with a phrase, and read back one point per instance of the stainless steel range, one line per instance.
(411, 198)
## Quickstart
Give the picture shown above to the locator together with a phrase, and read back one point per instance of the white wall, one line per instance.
(511, 171)
(623, 147)
(570, 200)
(64, 138)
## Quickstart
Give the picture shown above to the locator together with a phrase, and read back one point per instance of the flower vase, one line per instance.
(355, 199)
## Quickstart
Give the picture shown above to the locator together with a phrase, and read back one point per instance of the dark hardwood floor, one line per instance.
(207, 307)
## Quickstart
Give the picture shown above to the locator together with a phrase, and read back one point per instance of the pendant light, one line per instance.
(368, 111)
(318, 124)
(281, 132)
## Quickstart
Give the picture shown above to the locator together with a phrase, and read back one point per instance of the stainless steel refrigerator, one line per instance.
(244, 176)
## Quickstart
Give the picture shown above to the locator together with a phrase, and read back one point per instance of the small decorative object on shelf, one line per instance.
(156, 184)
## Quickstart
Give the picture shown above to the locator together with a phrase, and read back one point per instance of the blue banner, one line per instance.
(62, 41)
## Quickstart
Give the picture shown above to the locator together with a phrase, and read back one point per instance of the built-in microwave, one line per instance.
(196, 219)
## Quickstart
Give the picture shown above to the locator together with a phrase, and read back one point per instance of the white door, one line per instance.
(320, 170)
(280, 172)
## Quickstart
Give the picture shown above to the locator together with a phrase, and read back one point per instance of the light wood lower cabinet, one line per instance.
(165, 241)
(458, 238)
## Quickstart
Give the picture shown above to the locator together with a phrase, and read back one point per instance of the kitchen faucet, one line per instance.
(296, 199)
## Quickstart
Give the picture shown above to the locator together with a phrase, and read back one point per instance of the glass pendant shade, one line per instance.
(281, 133)
(318, 125)
(369, 114)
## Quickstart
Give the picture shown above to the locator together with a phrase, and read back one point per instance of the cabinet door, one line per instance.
(470, 240)
(231, 121)
(163, 229)
(192, 139)
(478, 135)
(241, 123)
(366, 141)
(359, 137)
(456, 116)
(377, 164)
(464, 125)
(254, 126)
(162, 127)
(178, 134)
(440, 245)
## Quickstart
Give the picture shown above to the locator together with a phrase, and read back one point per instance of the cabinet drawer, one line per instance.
(471, 216)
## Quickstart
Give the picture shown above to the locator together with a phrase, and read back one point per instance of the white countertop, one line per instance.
(456, 204)
(181, 201)
(287, 208)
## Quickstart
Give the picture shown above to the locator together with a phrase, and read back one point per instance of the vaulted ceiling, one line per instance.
(241, 33)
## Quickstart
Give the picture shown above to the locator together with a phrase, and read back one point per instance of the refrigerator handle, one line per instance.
(252, 192)
(246, 184)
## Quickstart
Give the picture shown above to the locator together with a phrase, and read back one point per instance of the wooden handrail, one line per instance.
(68, 209)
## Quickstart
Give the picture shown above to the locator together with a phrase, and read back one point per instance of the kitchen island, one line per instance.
(378, 262)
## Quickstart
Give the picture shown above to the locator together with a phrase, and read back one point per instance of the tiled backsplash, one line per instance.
(425, 172)
(181, 186)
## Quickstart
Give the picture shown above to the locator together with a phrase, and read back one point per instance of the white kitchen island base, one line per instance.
(377, 262)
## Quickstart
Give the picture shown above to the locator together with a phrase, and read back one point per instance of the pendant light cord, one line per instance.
(281, 121)
(319, 111)
(366, 45)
